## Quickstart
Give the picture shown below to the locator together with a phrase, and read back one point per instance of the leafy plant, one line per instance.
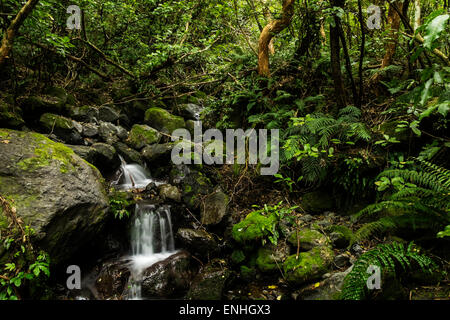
(391, 259)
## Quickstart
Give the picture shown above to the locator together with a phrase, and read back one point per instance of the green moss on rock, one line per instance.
(317, 202)
(238, 256)
(309, 265)
(163, 120)
(255, 226)
(141, 135)
(307, 238)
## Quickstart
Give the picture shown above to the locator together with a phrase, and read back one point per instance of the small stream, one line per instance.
(152, 238)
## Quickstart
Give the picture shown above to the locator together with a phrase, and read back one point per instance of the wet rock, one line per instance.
(157, 152)
(198, 242)
(167, 191)
(141, 135)
(106, 158)
(112, 280)
(90, 130)
(87, 153)
(309, 265)
(84, 114)
(214, 208)
(190, 111)
(270, 258)
(194, 185)
(317, 202)
(341, 260)
(169, 278)
(128, 154)
(65, 129)
(210, 282)
(107, 114)
(111, 133)
(162, 120)
(307, 238)
(55, 192)
(329, 289)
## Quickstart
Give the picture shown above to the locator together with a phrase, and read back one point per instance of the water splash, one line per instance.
(133, 176)
(152, 241)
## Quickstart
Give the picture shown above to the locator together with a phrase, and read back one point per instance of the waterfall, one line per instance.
(133, 176)
(152, 241)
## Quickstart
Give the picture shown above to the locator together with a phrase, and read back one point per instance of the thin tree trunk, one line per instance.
(270, 30)
(394, 23)
(348, 65)
(417, 13)
(11, 32)
(336, 60)
(361, 55)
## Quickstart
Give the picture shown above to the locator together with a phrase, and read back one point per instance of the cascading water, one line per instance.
(133, 176)
(152, 241)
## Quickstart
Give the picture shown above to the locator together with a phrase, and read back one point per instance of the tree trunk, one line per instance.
(394, 22)
(11, 32)
(417, 12)
(336, 59)
(270, 30)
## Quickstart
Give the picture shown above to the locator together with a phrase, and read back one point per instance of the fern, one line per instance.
(425, 193)
(388, 257)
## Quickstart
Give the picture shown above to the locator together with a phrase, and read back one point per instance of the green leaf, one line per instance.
(434, 30)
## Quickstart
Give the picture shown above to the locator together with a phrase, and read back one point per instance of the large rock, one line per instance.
(309, 266)
(307, 239)
(197, 241)
(210, 283)
(111, 133)
(64, 128)
(141, 135)
(270, 257)
(54, 191)
(84, 113)
(163, 120)
(254, 227)
(167, 191)
(112, 280)
(170, 277)
(107, 114)
(157, 152)
(214, 208)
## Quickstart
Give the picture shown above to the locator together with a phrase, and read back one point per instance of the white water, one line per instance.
(133, 176)
(152, 241)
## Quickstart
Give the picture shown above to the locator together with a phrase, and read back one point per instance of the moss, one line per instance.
(238, 256)
(46, 152)
(163, 120)
(346, 233)
(247, 273)
(255, 226)
(265, 260)
(140, 135)
(309, 265)
(307, 238)
(51, 121)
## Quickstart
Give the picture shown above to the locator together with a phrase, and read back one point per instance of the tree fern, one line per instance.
(392, 259)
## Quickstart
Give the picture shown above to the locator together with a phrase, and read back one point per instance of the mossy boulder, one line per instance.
(255, 226)
(84, 113)
(238, 256)
(141, 135)
(309, 266)
(390, 128)
(57, 193)
(157, 152)
(317, 202)
(63, 128)
(307, 239)
(270, 258)
(163, 120)
(340, 236)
